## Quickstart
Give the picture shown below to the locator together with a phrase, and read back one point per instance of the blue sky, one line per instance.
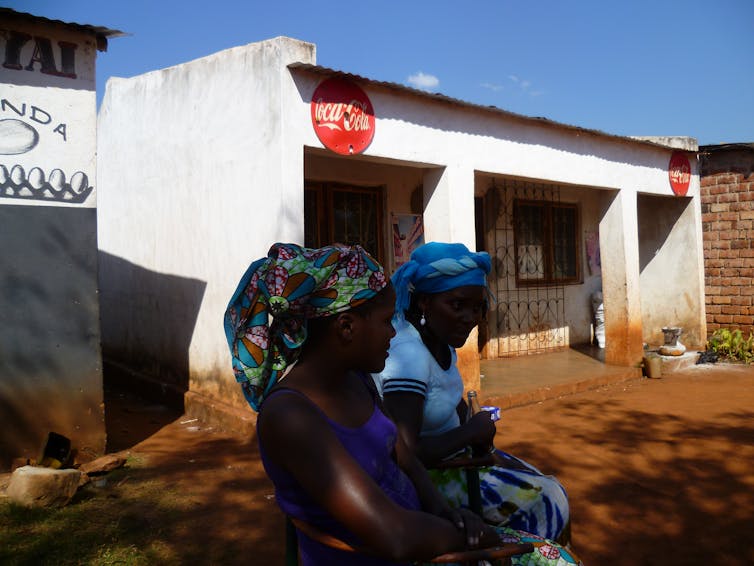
(638, 67)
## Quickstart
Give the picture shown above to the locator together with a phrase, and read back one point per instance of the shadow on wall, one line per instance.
(147, 322)
(50, 373)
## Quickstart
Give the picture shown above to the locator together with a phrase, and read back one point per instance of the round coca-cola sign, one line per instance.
(679, 172)
(342, 116)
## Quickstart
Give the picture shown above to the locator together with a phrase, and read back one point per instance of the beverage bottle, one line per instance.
(473, 407)
(473, 404)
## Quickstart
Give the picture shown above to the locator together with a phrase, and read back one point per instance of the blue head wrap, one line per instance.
(436, 267)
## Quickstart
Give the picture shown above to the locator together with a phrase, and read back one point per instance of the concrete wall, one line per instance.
(727, 188)
(201, 174)
(50, 370)
(670, 264)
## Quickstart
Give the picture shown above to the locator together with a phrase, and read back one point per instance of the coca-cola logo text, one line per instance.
(340, 116)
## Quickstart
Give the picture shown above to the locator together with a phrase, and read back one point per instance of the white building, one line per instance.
(202, 166)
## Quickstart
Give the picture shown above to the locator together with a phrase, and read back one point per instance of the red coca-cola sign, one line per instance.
(679, 173)
(342, 116)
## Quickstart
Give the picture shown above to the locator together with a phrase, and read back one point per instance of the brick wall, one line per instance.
(727, 192)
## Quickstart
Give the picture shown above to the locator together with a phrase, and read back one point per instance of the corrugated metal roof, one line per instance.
(726, 146)
(102, 33)
(317, 69)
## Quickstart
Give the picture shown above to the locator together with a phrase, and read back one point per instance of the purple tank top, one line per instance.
(372, 446)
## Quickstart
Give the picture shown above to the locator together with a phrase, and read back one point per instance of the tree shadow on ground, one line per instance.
(653, 488)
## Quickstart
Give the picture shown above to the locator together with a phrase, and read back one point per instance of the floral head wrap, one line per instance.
(436, 267)
(265, 322)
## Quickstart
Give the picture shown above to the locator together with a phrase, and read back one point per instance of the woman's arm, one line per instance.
(432, 502)
(406, 410)
(296, 437)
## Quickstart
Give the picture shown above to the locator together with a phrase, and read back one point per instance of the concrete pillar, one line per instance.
(619, 251)
(449, 217)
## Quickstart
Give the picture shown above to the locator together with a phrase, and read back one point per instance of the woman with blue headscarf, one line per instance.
(441, 295)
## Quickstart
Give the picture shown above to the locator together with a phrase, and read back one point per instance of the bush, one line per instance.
(731, 345)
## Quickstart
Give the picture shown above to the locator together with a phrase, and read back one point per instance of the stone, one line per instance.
(34, 486)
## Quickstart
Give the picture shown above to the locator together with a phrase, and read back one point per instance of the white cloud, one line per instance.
(525, 85)
(423, 81)
(493, 87)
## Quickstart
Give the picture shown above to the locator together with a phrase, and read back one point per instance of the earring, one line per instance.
(422, 320)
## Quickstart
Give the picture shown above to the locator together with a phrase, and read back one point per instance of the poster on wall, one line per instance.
(408, 234)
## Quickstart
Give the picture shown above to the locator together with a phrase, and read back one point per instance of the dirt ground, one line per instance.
(658, 471)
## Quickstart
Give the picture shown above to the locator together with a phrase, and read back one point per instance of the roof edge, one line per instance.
(102, 34)
(656, 142)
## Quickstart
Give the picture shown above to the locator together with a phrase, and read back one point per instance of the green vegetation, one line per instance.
(731, 345)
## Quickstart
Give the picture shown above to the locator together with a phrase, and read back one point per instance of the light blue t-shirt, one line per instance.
(411, 367)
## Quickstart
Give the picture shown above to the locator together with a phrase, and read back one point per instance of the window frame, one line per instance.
(548, 245)
(323, 193)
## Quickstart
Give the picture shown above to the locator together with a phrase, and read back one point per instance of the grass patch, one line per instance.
(124, 522)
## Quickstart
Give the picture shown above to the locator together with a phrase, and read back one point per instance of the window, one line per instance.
(344, 214)
(546, 242)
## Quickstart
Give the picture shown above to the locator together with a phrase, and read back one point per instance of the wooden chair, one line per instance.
(494, 555)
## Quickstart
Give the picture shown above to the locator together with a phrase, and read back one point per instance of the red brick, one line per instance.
(741, 301)
(713, 309)
(720, 300)
(739, 244)
(728, 197)
(719, 208)
(735, 262)
(723, 318)
(744, 319)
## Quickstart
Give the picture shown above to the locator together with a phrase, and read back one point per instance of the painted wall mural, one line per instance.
(17, 137)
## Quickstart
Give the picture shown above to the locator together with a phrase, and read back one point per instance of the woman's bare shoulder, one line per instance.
(288, 415)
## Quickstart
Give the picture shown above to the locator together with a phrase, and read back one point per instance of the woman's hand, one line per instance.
(481, 429)
(478, 533)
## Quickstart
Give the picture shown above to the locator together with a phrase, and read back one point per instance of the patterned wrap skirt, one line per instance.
(519, 497)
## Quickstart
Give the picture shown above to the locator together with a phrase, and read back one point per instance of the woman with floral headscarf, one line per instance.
(441, 297)
(304, 328)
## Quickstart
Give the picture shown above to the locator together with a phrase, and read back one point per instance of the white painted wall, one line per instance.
(50, 366)
(200, 174)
